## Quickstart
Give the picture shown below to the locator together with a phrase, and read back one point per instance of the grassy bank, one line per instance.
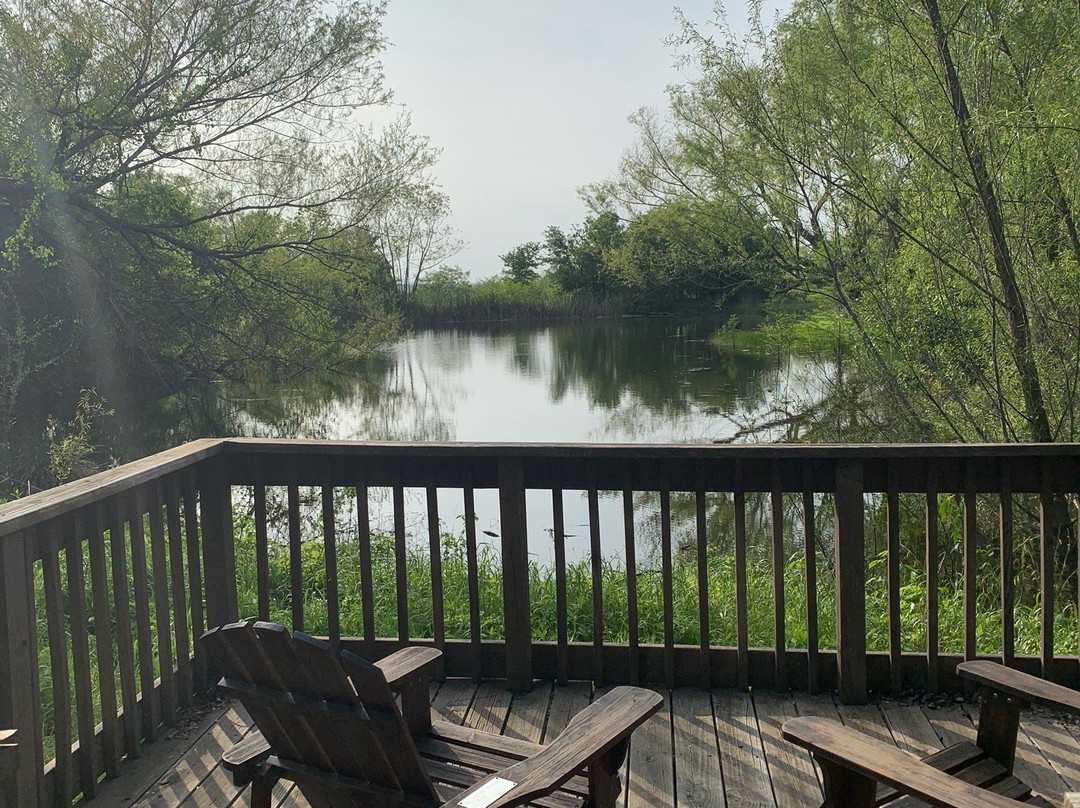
(497, 300)
(814, 332)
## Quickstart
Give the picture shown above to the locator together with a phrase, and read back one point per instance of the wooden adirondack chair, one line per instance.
(966, 775)
(331, 723)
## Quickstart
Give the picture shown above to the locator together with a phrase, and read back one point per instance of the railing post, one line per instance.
(515, 561)
(218, 543)
(850, 584)
(18, 656)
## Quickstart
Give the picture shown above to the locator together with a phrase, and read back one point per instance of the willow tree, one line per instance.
(919, 160)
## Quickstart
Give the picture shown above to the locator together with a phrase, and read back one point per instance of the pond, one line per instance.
(631, 380)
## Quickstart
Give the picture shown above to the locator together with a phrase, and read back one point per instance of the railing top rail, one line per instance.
(44, 505)
(28, 511)
(799, 451)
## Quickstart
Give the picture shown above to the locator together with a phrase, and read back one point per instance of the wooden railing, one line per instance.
(147, 557)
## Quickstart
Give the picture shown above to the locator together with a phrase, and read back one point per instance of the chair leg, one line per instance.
(604, 783)
(261, 788)
(999, 721)
(845, 788)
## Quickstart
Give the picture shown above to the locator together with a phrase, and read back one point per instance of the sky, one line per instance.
(528, 101)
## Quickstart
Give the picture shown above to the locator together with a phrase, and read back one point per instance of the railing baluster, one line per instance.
(475, 648)
(103, 642)
(147, 713)
(262, 547)
(666, 578)
(778, 559)
(58, 659)
(333, 607)
(850, 583)
(931, 578)
(1046, 574)
(892, 512)
(742, 632)
(438, 618)
(401, 574)
(1005, 534)
(971, 537)
(597, 587)
(559, 535)
(89, 766)
(703, 582)
(631, 585)
(194, 572)
(179, 593)
(125, 644)
(367, 586)
(167, 699)
(296, 558)
(813, 664)
(515, 566)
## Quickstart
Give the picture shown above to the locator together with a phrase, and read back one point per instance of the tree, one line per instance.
(522, 262)
(577, 260)
(412, 232)
(914, 160)
(181, 187)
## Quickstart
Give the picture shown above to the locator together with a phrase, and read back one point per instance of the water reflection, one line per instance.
(631, 380)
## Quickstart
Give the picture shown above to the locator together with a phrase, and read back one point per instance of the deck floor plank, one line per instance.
(566, 701)
(651, 784)
(791, 769)
(742, 756)
(199, 763)
(911, 729)
(1057, 745)
(698, 777)
(490, 706)
(528, 711)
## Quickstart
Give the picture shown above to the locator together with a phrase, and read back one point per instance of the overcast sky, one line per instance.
(528, 101)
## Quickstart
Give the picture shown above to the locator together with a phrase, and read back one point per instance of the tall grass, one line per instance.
(500, 299)
(650, 598)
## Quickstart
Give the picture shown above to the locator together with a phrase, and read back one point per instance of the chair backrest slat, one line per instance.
(222, 653)
(317, 712)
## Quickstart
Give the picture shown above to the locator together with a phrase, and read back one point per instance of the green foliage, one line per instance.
(920, 177)
(522, 262)
(577, 260)
(165, 219)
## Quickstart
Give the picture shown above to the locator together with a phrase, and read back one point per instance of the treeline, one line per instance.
(678, 257)
(188, 193)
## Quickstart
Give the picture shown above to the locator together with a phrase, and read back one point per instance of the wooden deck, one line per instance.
(719, 748)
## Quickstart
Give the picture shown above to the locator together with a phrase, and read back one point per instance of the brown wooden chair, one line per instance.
(331, 723)
(965, 775)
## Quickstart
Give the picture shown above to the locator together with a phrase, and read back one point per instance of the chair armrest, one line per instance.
(866, 757)
(405, 666)
(596, 730)
(9, 753)
(407, 673)
(1015, 683)
(243, 759)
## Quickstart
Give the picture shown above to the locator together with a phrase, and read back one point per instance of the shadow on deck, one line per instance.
(705, 748)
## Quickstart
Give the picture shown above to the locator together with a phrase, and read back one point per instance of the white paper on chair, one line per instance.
(487, 793)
